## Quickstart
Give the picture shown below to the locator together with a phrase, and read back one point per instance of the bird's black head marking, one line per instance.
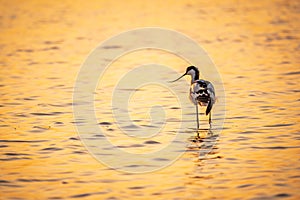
(192, 68)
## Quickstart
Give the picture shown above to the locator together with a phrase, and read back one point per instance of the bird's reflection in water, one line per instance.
(203, 143)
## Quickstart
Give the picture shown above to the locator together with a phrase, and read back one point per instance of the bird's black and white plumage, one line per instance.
(202, 92)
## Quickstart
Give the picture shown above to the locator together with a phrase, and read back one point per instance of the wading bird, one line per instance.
(202, 92)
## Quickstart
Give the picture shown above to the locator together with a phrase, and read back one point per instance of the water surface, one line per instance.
(254, 45)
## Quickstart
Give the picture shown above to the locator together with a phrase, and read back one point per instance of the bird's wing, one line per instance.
(211, 92)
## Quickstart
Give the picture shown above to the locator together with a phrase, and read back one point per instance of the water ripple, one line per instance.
(24, 141)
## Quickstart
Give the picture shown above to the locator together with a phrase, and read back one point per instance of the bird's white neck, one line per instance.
(194, 75)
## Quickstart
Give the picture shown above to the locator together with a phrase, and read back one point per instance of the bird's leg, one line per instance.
(197, 117)
(209, 120)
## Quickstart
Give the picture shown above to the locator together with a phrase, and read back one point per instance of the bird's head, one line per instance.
(192, 71)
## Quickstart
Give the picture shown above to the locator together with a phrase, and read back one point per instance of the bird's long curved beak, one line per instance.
(178, 78)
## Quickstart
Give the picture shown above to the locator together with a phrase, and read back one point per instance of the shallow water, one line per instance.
(253, 45)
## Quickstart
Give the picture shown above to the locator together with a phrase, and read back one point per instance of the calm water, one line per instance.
(254, 46)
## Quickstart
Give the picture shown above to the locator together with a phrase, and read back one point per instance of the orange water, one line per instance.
(254, 45)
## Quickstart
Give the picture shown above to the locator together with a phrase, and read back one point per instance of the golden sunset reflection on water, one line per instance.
(254, 46)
